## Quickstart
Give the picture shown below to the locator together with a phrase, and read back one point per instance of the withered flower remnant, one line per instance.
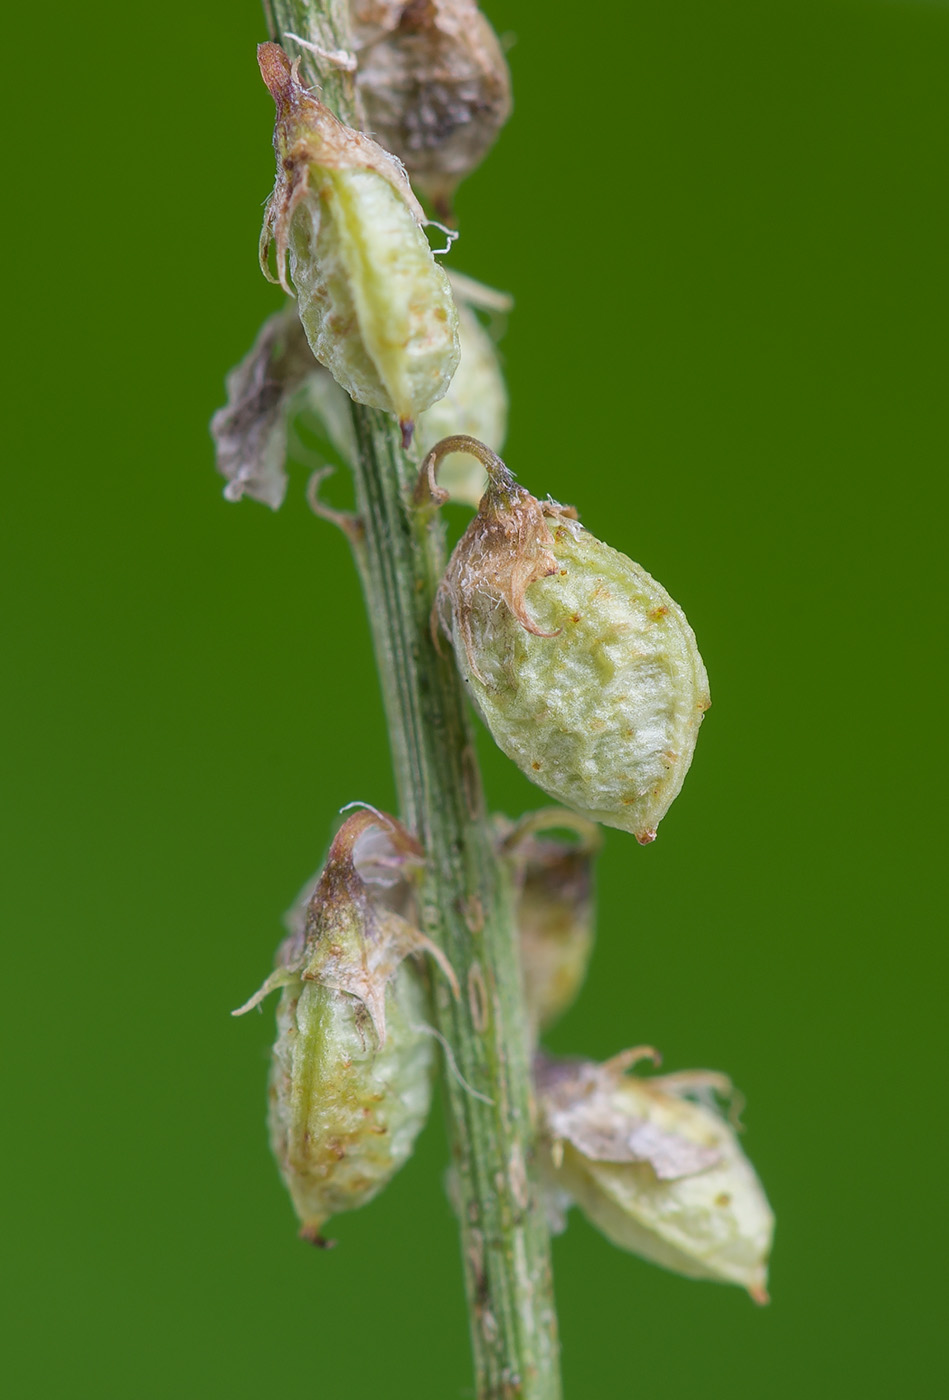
(376, 307)
(660, 1174)
(435, 86)
(351, 1071)
(584, 669)
(250, 431)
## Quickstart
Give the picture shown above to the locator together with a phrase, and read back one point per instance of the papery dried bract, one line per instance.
(277, 381)
(554, 908)
(659, 1174)
(351, 1072)
(583, 668)
(250, 432)
(377, 308)
(435, 85)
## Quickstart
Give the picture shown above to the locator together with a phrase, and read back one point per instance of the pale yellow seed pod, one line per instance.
(344, 1113)
(351, 1072)
(377, 309)
(476, 402)
(435, 86)
(552, 875)
(660, 1174)
(584, 669)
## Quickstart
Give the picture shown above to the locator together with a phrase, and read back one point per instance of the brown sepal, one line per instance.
(353, 942)
(505, 549)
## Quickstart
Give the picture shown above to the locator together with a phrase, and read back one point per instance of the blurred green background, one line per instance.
(725, 226)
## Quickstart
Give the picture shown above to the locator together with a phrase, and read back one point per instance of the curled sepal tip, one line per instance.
(506, 549)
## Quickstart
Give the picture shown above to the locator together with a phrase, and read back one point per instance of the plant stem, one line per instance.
(466, 901)
(324, 23)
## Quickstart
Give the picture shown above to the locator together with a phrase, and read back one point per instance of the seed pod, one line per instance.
(435, 86)
(376, 307)
(476, 402)
(583, 668)
(351, 1073)
(250, 432)
(553, 880)
(660, 1175)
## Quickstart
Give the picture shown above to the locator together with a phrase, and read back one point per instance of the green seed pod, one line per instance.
(280, 378)
(250, 431)
(476, 402)
(435, 86)
(553, 881)
(660, 1175)
(351, 1073)
(376, 307)
(583, 668)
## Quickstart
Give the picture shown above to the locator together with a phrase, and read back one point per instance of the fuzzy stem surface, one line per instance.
(466, 904)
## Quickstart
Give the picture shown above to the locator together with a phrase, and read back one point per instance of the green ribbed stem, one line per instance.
(466, 904)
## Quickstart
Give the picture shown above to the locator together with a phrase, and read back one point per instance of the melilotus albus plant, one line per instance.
(452, 937)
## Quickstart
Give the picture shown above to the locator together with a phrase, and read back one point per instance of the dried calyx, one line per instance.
(654, 1165)
(351, 1071)
(584, 669)
(376, 307)
(435, 86)
(552, 875)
